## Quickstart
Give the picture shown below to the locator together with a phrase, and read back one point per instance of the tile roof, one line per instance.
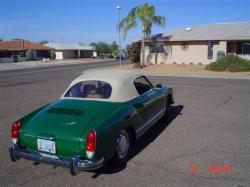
(68, 46)
(21, 45)
(217, 31)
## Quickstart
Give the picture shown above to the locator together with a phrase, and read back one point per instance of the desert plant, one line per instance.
(29, 55)
(220, 54)
(133, 51)
(52, 55)
(230, 63)
(145, 14)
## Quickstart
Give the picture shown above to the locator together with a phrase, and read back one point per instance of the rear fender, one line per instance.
(107, 133)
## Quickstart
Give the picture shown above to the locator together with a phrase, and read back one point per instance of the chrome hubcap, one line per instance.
(122, 144)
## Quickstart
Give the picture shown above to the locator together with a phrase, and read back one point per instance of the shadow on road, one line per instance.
(143, 141)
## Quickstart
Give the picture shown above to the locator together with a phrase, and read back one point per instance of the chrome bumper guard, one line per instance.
(73, 163)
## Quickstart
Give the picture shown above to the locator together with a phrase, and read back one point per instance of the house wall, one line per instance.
(59, 55)
(68, 54)
(10, 59)
(6, 59)
(191, 52)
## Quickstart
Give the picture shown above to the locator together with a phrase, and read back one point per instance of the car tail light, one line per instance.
(90, 144)
(15, 131)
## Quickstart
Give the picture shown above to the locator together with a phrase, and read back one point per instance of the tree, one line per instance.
(29, 55)
(94, 45)
(101, 48)
(144, 14)
(43, 42)
(52, 54)
(114, 48)
(133, 51)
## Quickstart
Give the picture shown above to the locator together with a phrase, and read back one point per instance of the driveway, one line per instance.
(208, 127)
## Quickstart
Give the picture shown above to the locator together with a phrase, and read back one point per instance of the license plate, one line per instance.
(46, 146)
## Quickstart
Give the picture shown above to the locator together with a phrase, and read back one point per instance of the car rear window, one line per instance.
(90, 89)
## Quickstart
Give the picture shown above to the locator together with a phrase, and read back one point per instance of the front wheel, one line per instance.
(123, 147)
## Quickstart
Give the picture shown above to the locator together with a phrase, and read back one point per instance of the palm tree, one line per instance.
(145, 14)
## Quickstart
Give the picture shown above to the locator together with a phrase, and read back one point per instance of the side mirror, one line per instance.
(158, 86)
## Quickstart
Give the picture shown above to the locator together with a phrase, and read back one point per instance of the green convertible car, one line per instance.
(98, 118)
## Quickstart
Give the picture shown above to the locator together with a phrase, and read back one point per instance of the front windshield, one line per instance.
(90, 89)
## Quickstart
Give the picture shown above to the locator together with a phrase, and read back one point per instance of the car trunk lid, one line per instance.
(62, 122)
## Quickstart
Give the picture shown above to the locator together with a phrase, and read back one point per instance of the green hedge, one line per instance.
(230, 63)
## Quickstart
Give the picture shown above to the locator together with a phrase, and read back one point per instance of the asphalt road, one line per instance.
(208, 127)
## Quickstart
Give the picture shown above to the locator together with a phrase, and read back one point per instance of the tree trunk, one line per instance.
(143, 51)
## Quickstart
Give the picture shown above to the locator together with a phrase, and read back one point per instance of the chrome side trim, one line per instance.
(147, 123)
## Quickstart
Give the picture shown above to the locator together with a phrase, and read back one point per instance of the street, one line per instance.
(207, 128)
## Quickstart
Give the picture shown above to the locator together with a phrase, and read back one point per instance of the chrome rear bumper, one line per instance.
(73, 163)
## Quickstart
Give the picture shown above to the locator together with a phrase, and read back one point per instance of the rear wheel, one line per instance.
(123, 147)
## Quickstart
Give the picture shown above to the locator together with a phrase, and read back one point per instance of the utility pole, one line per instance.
(120, 56)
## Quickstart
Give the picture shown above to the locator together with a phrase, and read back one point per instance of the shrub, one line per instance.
(220, 54)
(134, 52)
(52, 55)
(29, 55)
(200, 63)
(230, 63)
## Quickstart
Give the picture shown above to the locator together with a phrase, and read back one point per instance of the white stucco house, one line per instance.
(198, 44)
(70, 50)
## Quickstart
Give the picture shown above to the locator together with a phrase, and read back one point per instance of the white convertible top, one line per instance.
(121, 81)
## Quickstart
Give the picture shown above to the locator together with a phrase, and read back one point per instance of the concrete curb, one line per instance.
(24, 66)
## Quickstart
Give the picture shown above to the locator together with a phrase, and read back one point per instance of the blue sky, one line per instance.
(95, 20)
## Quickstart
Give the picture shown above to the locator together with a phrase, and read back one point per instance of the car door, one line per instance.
(149, 102)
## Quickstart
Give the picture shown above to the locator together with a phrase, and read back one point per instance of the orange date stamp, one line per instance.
(211, 169)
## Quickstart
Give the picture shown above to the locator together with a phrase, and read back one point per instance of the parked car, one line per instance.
(117, 57)
(97, 118)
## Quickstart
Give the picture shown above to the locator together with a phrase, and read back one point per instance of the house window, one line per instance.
(156, 48)
(210, 50)
(242, 48)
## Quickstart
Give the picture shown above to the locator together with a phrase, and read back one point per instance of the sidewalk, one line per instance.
(32, 64)
(172, 70)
